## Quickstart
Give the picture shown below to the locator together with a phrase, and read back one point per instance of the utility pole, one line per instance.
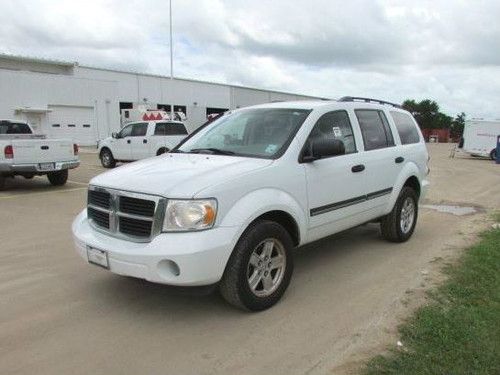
(171, 67)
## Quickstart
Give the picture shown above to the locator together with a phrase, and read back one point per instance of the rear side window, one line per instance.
(139, 130)
(375, 129)
(170, 128)
(406, 128)
(7, 127)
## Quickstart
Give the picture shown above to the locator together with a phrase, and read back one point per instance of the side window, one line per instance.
(139, 130)
(375, 129)
(126, 131)
(407, 129)
(160, 128)
(335, 125)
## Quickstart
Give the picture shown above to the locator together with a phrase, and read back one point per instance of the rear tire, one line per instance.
(399, 224)
(493, 154)
(58, 178)
(107, 159)
(260, 267)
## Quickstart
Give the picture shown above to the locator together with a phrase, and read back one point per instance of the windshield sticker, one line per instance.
(337, 132)
(271, 149)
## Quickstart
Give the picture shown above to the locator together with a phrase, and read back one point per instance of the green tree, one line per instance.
(458, 124)
(427, 114)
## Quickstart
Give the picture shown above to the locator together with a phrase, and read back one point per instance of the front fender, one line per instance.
(258, 202)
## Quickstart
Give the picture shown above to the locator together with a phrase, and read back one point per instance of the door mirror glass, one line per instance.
(325, 147)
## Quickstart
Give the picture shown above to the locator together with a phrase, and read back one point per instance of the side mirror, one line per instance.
(324, 147)
(114, 135)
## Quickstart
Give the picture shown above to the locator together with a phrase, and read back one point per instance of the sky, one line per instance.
(448, 51)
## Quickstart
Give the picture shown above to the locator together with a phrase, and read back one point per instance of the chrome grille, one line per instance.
(133, 216)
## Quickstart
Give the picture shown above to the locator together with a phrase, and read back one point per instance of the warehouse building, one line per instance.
(65, 99)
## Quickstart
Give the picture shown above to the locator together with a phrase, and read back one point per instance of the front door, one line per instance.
(139, 141)
(336, 186)
(122, 144)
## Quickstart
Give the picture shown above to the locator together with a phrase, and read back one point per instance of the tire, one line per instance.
(162, 151)
(2, 183)
(58, 178)
(394, 228)
(493, 154)
(107, 159)
(248, 263)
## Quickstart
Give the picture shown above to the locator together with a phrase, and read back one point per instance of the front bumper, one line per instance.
(35, 167)
(200, 256)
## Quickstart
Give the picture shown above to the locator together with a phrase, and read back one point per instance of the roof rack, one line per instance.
(366, 100)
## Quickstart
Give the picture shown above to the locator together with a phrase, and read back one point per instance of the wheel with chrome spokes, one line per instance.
(260, 267)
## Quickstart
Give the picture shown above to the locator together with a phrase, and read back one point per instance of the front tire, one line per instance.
(399, 224)
(260, 267)
(107, 159)
(493, 154)
(58, 178)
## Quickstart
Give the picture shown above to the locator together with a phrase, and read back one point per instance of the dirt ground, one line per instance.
(59, 315)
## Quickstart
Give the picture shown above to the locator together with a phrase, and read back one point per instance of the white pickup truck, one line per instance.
(140, 140)
(23, 153)
(230, 203)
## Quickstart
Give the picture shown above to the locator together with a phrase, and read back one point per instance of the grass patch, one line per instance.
(458, 332)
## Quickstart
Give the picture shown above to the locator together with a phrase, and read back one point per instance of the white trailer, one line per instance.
(480, 138)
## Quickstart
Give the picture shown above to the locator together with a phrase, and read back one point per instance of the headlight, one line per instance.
(187, 215)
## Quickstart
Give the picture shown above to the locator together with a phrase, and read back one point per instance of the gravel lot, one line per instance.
(59, 315)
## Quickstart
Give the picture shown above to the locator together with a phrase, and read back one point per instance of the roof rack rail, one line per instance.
(366, 100)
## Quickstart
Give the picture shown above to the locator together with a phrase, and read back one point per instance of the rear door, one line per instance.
(382, 158)
(139, 141)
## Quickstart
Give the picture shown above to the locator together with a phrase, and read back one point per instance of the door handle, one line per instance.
(128, 141)
(399, 159)
(358, 168)
(144, 141)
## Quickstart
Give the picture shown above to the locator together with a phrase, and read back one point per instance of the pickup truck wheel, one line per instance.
(399, 225)
(161, 151)
(493, 154)
(58, 178)
(2, 183)
(107, 159)
(260, 267)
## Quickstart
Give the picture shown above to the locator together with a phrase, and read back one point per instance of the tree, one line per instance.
(457, 126)
(427, 114)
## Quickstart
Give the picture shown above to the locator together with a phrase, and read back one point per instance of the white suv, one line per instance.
(140, 140)
(230, 203)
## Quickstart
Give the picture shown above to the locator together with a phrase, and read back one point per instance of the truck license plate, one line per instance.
(46, 166)
(97, 257)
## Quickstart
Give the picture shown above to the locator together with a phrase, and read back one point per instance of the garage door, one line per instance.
(76, 123)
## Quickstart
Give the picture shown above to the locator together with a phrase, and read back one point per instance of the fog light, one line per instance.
(168, 268)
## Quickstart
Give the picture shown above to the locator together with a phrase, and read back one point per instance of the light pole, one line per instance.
(171, 66)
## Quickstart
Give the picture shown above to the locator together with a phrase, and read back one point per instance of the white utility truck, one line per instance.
(480, 138)
(229, 203)
(26, 154)
(140, 140)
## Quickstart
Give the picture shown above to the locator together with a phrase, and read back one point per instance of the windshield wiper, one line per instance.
(212, 150)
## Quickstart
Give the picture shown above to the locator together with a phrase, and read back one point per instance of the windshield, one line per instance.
(257, 132)
(7, 127)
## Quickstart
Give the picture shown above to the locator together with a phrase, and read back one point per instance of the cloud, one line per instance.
(393, 49)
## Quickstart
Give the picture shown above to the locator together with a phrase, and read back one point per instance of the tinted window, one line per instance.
(139, 130)
(375, 129)
(170, 128)
(335, 125)
(126, 131)
(7, 127)
(406, 128)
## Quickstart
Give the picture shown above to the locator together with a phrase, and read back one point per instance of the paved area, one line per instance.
(59, 315)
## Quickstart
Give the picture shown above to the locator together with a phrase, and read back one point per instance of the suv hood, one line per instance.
(177, 175)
